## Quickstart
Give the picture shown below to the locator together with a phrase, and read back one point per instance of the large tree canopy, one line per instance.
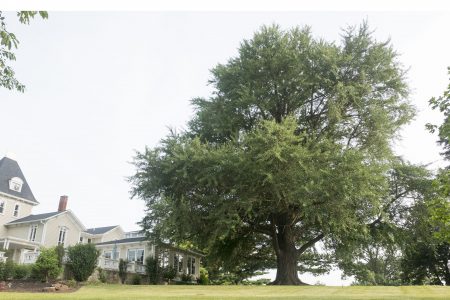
(292, 148)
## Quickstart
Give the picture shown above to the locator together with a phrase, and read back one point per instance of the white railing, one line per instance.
(2, 256)
(110, 264)
(30, 257)
(113, 264)
(135, 267)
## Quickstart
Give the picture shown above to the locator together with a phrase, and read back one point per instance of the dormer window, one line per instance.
(15, 184)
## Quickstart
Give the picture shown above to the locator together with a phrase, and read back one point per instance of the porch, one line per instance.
(113, 265)
(19, 250)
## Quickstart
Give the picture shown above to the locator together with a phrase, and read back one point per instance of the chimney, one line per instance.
(63, 203)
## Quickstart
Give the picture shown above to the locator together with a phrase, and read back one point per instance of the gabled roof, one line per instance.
(124, 241)
(9, 168)
(47, 216)
(100, 230)
(34, 218)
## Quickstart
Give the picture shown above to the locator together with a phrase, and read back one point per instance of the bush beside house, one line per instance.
(47, 265)
(82, 260)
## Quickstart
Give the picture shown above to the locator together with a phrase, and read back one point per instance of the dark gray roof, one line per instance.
(8, 169)
(124, 241)
(100, 230)
(33, 218)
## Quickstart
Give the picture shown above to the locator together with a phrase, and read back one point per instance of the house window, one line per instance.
(81, 240)
(111, 254)
(2, 206)
(33, 230)
(163, 258)
(15, 184)
(62, 236)
(178, 262)
(136, 255)
(89, 241)
(16, 210)
(191, 265)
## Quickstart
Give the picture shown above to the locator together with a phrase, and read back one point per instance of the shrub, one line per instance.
(152, 270)
(186, 277)
(136, 279)
(169, 273)
(72, 283)
(47, 265)
(60, 252)
(101, 275)
(2, 271)
(8, 271)
(204, 278)
(122, 270)
(22, 271)
(82, 260)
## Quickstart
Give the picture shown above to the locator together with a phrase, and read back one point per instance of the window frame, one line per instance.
(62, 235)
(136, 259)
(16, 210)
(32, 232)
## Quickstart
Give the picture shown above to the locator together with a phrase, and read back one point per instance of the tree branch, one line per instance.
(309, 243)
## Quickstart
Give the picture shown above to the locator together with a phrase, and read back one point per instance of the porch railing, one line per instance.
(30, 257)
(113, 264)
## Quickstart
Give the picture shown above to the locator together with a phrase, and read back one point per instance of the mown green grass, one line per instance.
(112, 292)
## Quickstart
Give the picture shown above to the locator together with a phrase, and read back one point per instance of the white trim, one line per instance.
(111, 243)
(19, 198)
(44, 232)
(17, 240)
(71, 214)
(36, 226)
(32, 221)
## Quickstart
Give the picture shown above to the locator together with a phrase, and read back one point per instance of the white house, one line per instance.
(22, 234)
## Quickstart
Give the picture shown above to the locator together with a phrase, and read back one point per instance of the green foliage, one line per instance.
(8, 270)
(9, 41)
(152, 270)
(61, 252)
(123, 264)
(169, 273)
(186, 278)
(375, 259)
(204, 277)
(136, 279)
(47, 265)
(22, 271)
(442, 103)
(82, 260)
(425, 257)
(101, 275)
(72, 283)
(291, 149)
(439, 206)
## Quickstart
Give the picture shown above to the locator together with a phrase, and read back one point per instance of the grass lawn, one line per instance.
(111, 292)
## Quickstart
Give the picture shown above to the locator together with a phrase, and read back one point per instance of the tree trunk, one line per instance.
(287, 258)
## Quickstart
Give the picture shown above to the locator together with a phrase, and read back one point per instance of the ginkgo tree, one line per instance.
(292, 149)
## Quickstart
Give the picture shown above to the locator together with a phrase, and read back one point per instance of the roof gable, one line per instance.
(9, 169)
(35, 218)
(47, 216)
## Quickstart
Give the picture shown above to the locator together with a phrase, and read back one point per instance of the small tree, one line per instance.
(47, 265)
(82, 260)
(123, 270)
(152, 269)
(169, 273)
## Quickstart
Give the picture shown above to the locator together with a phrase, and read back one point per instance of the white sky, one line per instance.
(100, 85)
